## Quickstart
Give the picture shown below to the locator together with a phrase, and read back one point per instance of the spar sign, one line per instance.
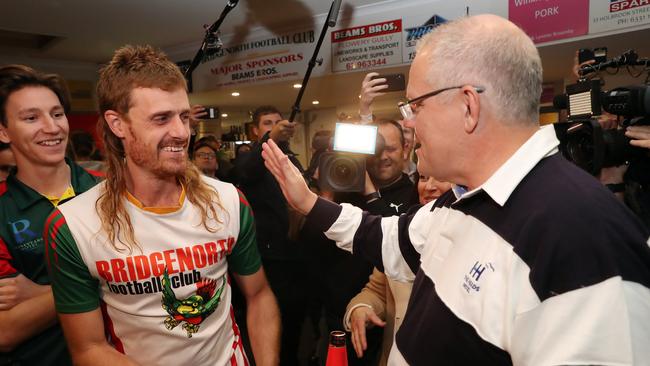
(616, 15)
(619, 5)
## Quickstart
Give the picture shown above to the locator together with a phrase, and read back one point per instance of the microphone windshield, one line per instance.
(334, 13)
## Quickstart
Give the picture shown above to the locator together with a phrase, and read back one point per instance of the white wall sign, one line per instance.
(605, 16)
(367, 47)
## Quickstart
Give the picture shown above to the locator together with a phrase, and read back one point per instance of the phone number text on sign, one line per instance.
(367, 47)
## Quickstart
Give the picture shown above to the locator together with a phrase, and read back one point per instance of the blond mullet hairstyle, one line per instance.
(133, 67)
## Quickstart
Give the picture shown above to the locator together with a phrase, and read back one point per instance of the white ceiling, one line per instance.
(89, 31)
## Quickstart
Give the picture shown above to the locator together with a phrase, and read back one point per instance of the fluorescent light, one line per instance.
(224, 115)
(315, 102)
(235, 94)
(297, 86)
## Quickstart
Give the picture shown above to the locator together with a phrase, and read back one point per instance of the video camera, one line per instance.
(582, 139)
(341, 160)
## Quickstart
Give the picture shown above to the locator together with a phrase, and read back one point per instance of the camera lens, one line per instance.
(581, 150)
(343, 171)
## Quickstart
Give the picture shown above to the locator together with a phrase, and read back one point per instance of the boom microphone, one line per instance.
(334, 13)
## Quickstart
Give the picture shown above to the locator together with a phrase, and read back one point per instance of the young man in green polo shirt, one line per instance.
(33, 122)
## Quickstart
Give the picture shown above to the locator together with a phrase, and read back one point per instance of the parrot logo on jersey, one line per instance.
(193, 310)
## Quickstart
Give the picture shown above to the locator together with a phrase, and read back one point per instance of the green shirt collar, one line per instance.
(25, 196)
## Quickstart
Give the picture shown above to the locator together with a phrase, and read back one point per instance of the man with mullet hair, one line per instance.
(527, 260)
(144, 256)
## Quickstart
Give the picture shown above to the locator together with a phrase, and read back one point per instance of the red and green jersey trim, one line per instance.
(66, 266)
(245, 258)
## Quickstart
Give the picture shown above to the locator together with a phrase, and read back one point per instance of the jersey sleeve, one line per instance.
(6, 268)
(75, 290)
(245, 258)
(391, 244)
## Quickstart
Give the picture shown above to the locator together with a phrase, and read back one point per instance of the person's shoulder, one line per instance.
(221, 187)
(87, 171)
(563, 184)
(96, 174)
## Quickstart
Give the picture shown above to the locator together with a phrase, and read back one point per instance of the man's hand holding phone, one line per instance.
(371, 87)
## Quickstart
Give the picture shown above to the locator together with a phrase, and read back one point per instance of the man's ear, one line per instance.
(472, 108)
(4, 136)
(405, 152)
(116, 123)
(256, 131)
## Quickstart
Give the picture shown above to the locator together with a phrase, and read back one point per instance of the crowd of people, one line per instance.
(491, 249)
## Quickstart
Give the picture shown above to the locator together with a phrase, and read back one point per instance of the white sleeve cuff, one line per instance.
(346, 317)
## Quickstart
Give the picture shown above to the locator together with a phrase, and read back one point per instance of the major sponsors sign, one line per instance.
(256, 61)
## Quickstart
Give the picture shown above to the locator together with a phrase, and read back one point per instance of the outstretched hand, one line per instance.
(291, 182)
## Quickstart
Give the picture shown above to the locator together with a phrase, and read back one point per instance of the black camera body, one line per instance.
(342, 172)
(582, 139)
(342, 161)
(597, 54)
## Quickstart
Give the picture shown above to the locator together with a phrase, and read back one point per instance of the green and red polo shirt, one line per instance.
(23, 212)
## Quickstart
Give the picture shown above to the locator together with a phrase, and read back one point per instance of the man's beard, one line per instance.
(143, 155)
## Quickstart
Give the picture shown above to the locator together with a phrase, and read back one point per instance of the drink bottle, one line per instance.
(336, 353)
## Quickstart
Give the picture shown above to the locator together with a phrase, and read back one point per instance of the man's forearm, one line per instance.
(25, 320)
(263, 318)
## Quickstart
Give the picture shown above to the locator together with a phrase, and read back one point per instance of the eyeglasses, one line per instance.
(408, 108)
(205, 155)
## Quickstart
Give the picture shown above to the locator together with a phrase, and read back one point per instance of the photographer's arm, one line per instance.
(370, 89)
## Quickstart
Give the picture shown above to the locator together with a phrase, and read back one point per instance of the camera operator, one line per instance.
(371, 88)
(629, 182)
(388, 190)
(283, 259)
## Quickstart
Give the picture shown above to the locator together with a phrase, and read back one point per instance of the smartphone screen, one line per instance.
(213, 113)
(395, 82)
